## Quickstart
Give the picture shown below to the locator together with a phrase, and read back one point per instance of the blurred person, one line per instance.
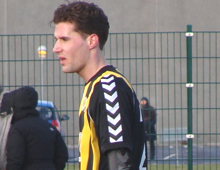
(1, 89)
(33, 143)
(149, 115)
(111, 127)
(5, 124)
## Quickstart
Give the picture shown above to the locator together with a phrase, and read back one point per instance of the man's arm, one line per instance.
(119, 159)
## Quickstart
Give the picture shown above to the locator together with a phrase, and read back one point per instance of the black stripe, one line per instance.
(90, 162)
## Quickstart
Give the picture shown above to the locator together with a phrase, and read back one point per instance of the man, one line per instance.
(149, 115)
(111, 126)
(1, 89)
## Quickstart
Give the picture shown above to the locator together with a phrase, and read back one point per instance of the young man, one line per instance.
(111, 127)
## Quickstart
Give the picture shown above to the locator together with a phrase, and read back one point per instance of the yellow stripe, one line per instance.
(85, 135)
(119, 75)
(95, 147)
(84, 102)
(85, 141)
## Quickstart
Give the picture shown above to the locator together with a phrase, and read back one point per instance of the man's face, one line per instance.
(143, 102)
(71, 47)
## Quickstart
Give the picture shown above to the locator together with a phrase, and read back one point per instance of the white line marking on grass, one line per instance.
(169, 156)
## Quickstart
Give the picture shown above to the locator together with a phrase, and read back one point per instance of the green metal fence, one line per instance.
(177, 71)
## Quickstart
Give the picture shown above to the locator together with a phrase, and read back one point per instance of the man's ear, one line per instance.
(93, 41)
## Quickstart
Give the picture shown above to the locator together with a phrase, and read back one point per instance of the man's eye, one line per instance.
(65, 39)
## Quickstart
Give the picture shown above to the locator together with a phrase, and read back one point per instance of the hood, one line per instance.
(6, 103)
(25, 98)
(23, 102)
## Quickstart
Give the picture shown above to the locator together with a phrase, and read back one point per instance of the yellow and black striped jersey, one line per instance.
(110, 118)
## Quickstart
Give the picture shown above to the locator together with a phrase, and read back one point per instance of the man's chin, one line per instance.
(67, 71)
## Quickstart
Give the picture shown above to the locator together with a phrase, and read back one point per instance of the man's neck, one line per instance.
(93, 66)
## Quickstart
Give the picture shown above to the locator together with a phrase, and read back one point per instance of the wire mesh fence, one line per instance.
(156, 66)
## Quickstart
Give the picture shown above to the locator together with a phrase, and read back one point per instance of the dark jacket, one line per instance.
(149, 116)
(33, 143)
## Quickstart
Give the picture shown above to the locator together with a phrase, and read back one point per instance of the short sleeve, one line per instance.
(111, 108)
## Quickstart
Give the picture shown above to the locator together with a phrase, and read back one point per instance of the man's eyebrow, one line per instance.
(62, 37)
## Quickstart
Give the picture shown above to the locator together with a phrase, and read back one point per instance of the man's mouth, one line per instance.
(62, 59)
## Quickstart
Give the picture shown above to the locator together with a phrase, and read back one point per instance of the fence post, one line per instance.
(189, 86)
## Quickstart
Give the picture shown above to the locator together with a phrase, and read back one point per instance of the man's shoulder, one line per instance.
(111, 81)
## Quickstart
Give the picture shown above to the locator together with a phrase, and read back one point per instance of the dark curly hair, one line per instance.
(87, 17)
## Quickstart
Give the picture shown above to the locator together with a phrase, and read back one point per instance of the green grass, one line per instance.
(72, 167)
(165, 167)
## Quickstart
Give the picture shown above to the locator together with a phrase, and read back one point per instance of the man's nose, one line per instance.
(56, 48)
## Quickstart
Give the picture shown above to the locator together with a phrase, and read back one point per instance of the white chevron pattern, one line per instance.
(109, 87)
(112, 106)
(107, 80)
(112, 97)
(114, 121)
(115, 132)
(114, 141)
(113, 109)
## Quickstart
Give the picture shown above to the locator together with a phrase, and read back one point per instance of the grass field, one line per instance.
(166, 167)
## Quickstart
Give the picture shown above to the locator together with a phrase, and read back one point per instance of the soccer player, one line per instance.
(111, 126)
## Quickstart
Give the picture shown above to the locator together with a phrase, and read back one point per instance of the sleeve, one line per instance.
(111, 109)
(15, 150)
(61, 152)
